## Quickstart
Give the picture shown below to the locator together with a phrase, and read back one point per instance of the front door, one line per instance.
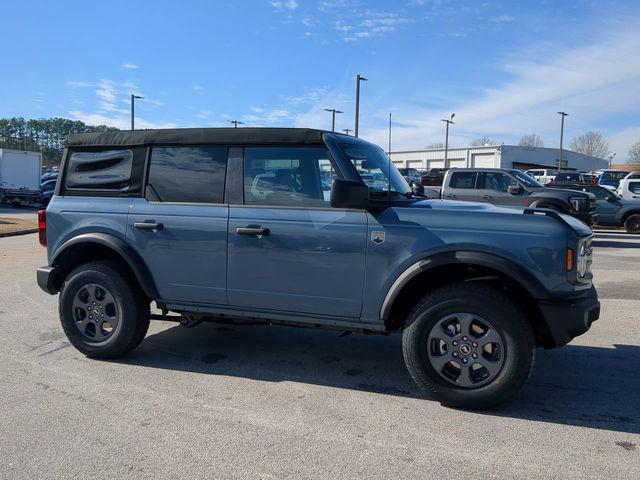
(288, 249)
(494, 188)
(180, 227)
(461, 186)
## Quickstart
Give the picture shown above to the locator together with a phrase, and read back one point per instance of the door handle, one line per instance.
(253, 231)
(486, 196)
(148, 225)
(450, 195)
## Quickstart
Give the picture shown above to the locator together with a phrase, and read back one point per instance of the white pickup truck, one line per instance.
(542, 175)
(20, 176)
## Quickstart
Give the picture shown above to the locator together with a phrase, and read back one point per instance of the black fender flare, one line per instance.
(496, 262)
(121, 248)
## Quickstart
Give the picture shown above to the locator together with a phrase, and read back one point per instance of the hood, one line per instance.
(469, 207)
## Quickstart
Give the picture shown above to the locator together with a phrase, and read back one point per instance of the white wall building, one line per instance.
(497, 156)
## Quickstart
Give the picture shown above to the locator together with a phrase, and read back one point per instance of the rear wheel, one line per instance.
(103, 312)
(469, 346)
(632, 224)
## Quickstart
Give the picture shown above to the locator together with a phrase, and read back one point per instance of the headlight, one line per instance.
(582, 260)
(576, 203)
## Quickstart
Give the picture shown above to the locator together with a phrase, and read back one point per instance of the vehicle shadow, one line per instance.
(576, 385)
(614, 244)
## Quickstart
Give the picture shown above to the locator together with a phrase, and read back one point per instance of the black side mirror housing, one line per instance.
(611, 198)
(515, 189)
(349, 194)
(417, 188)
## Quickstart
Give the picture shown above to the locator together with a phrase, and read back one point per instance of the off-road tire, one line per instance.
(133, 309)
(507, 319)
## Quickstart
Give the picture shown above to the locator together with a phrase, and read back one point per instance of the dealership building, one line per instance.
(497, 156)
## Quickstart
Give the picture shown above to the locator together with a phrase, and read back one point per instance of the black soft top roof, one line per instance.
(193, 136)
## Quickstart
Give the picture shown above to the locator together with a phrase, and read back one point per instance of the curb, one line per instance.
(19, 232)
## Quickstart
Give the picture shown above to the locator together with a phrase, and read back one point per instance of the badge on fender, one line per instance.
(377, 237)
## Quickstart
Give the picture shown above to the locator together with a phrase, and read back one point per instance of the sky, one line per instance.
(504, 67)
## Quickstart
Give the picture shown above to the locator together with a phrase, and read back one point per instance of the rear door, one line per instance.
(461, 186)
(289, 251)
(180, 226)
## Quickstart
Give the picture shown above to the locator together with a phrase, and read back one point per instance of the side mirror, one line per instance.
(515, 189)
(611, 198)
(417, 188)
(349, 194)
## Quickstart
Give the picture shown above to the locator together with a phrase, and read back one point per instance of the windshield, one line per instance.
(526, 179)
(373, 166)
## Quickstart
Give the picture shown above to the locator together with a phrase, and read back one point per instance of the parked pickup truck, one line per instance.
(512, 188)
(233, 225)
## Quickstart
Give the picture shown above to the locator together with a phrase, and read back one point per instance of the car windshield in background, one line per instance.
(526, 179)
(374, 167)
(614, 175)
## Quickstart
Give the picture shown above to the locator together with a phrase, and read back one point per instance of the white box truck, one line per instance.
(20, 174)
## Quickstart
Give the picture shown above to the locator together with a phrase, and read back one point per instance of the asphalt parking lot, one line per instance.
(275, 402)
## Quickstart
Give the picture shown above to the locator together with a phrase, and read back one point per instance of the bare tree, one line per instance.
(634, 153)
(481, 142)
(591, 143)
(435, 145)
(531, 140)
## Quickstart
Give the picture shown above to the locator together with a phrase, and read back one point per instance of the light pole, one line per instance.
(133, 101)
(333, 117)
(446, 138)
(235, 123)
(389, 151)
(346, 130)
(611, 158)
(359, 79)
(562, 115)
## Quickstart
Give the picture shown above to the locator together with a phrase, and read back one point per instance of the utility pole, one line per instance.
(346, 130)
(359, 79)
(235, 123)
(446, 138)
(611, 158)
(333, 117)
(133, 101)
(562, 115)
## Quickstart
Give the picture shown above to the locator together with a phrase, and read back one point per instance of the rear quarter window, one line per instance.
(110, 172)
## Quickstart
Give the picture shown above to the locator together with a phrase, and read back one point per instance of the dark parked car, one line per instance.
(611, 209)
(411, 175)
(233, 225)
(433, 177)
(568, 177)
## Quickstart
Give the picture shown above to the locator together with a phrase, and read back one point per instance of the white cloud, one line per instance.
(74, 84)
(285, 5)
(198, 89)
(129, 66)
(204, 114)
(504, 19)
(596, 83)
(368, 24)
(122, 122)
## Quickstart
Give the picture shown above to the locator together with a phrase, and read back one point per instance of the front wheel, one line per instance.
(632, 224)
(469, 346)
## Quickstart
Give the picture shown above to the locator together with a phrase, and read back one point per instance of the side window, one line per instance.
(498, 181)
(463, 180)
(187, 174)
(109, 170)
(634, 187)
(599, 192)
(287, 176)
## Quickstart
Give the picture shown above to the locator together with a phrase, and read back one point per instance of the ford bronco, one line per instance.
(308, 228)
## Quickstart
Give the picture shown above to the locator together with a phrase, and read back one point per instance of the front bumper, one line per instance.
(567, 318)
(47, 280)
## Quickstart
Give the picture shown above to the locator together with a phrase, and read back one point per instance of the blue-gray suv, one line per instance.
(308, 228)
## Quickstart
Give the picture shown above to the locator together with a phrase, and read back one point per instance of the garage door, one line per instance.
(398, 163)
(435, 164)
(457, 163)
(483, 160)
(417, 164)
